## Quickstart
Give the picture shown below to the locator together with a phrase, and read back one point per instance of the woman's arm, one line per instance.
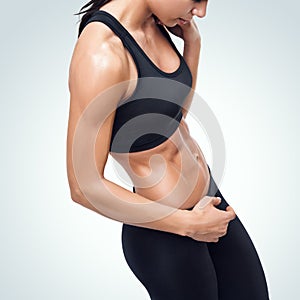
(191, 54)
(177, 222)
(93, 70)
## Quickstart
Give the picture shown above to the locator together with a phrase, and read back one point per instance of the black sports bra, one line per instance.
(144, 123)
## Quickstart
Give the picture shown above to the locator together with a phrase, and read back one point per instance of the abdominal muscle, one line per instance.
(177, 165)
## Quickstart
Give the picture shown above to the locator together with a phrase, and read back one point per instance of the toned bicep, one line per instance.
(91, 78)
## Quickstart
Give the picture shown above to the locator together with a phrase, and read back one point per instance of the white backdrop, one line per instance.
(53, 248)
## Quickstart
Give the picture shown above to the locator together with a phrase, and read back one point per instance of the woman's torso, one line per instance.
(159, 169)
(177, 164)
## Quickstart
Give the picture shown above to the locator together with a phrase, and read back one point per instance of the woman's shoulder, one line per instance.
(96, 65)
(99, 44)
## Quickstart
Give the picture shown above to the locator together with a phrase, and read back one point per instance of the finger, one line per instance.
(203, 202)
(231, 211)
(216, 200)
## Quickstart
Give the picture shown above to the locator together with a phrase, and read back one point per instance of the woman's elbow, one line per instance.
(76, 195)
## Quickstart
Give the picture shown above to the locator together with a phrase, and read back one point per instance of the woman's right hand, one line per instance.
(208, 223)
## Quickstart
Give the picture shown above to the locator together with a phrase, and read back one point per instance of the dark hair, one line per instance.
(94, 6)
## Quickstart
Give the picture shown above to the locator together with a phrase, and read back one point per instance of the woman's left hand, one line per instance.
(188, 32)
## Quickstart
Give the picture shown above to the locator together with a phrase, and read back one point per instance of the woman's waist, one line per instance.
(179, 187)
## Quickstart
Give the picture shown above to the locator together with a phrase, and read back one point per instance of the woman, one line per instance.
(192, 253)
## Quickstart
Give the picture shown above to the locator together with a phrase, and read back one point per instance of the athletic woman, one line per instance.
(192, 253)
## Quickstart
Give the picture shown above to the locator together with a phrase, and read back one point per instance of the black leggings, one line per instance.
(175, 267)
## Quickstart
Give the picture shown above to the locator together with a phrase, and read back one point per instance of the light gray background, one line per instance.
(53, 248)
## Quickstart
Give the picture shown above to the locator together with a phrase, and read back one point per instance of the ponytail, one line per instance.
(94, 6)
